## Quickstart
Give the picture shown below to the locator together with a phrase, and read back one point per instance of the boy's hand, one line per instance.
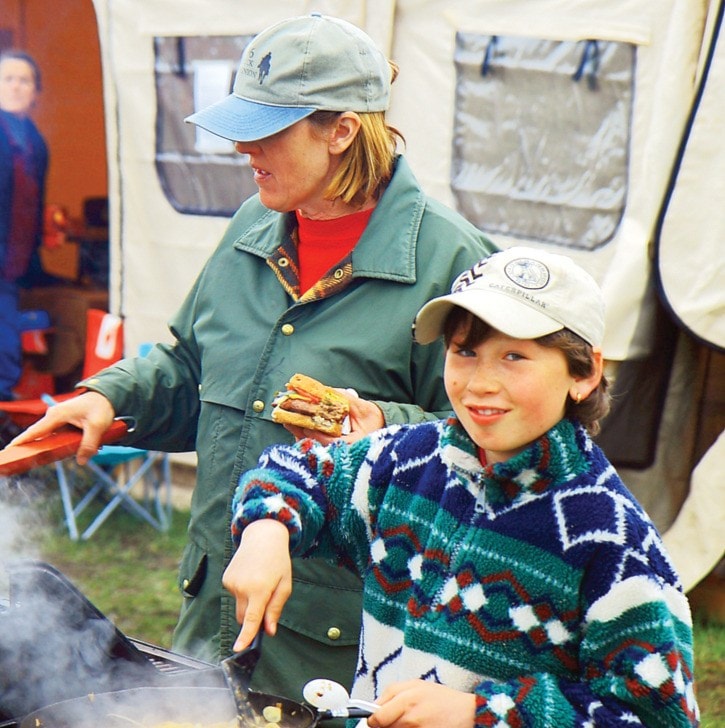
(259, 576)
(422, 704)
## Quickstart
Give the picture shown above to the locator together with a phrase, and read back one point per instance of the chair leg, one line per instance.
(161, 487)
(157, 490)
(121, 497)
(165, 511)
(158, 510)
(70, 512)
(91, 493)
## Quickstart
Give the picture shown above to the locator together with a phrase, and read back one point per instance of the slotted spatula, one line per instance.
(238, 671)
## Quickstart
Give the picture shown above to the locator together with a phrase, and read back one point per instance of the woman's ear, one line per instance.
(584, 386)
(344, 131)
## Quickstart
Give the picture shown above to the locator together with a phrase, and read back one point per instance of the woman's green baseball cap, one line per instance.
(294, 68)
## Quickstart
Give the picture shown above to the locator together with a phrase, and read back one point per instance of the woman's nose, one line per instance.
(245, 147)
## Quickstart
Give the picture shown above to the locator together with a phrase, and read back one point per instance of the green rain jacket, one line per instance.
(240, 335)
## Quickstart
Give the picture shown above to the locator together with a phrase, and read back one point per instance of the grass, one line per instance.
(128, 570)
(710, 672)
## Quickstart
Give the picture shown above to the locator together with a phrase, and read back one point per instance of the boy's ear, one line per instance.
(584, 386)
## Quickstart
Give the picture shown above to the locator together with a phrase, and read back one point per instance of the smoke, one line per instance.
(55, 645)
(23, 517)
(47, 645)
(23, 520)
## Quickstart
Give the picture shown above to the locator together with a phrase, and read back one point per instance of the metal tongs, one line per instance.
(238, 671)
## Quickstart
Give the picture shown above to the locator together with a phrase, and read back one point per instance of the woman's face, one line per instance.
(17, 86)
(293, 168)
(506, 392)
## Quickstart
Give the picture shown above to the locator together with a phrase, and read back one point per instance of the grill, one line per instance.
(55, 645)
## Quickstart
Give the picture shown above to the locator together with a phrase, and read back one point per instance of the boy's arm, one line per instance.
(282, 488)
(259, 576)
(269, 507)
(309, 488)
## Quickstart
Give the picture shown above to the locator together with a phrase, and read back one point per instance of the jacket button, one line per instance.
(288, 329)
(334, 633)
(185, 584)
(258, 405)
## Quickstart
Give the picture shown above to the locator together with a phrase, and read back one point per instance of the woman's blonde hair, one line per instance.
(367, 164)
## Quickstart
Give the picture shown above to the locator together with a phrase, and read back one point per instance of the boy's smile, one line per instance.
(506, 392)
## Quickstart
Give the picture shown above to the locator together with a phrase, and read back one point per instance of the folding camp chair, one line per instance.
(115, 470)
(113, 479)
(103, 347)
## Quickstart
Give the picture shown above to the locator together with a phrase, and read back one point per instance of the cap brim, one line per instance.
(511, 317)
(242, 120)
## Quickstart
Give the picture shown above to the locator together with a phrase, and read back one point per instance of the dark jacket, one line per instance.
(16, 133)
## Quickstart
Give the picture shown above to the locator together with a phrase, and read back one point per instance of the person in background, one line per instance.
(23, 168)
(320, 273)
(510, 578)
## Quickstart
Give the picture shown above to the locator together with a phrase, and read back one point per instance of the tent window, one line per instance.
(541, 136)
(199, 172)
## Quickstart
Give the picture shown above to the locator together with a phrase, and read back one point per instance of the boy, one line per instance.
(510, 578)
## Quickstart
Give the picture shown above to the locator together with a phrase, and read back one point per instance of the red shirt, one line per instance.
(322, 243)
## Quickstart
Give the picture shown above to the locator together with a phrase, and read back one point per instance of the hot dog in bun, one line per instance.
(310, 404)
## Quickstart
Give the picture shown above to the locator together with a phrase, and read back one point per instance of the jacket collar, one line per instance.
(558, 456)
(386, 249)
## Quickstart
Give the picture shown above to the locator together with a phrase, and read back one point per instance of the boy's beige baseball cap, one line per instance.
(524, 293)
(294, 68)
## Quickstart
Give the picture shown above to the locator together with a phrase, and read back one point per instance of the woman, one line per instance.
(320, 273)
(23, 167)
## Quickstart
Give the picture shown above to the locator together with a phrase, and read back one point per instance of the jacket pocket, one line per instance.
(338, 625)
(192, 571)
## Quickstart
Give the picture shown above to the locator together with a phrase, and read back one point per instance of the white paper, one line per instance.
(212, 82)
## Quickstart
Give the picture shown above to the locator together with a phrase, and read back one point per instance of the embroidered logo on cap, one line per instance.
(264, 67)
(527, 273)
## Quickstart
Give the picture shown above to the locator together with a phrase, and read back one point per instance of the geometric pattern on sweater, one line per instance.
(539, 584)
(465, 595)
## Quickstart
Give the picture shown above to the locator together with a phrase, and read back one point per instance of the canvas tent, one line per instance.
(583, 127)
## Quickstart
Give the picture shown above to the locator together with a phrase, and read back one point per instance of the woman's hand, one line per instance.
(259, 576)
(422, 704)
(90, 412)
(365, 417)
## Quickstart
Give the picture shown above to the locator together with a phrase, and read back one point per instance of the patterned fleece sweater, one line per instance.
(539, 583)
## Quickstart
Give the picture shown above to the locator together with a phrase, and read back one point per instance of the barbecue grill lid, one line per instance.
(55, 644)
